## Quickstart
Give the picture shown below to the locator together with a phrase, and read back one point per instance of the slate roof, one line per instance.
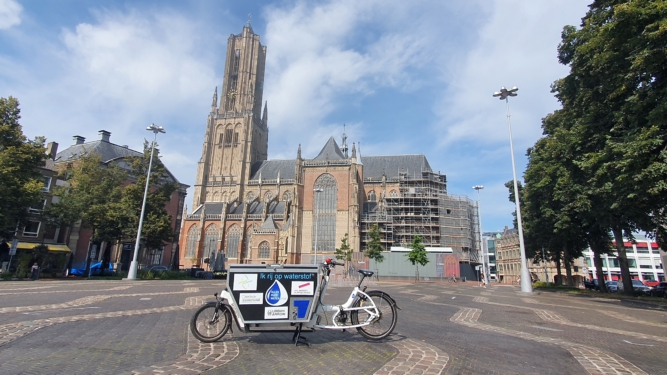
(256, 208)
(330, 151)
(270, 168)
(391, 165)
(107, 150)
(269, 223)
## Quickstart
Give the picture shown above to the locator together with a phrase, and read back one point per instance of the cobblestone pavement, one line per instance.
(122, 327)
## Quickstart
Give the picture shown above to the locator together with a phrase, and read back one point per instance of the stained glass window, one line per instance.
(193, 236)
(233, 240)
(211, 240)
(264, 250)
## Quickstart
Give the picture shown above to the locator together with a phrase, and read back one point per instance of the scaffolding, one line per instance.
(423, 208)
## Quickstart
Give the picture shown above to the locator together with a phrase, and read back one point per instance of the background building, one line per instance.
(644, 259)
(121, 253)
(254, 210)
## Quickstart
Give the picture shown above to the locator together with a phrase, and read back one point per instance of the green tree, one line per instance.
(417, 255)
(616, 92)
(157, 224)
(375, 248)
(344, 253)
(20, 181)
(92, 188)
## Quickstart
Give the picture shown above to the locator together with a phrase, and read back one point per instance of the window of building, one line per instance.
(39, 207)
(326, 202)
(236, 139)
(220, 138)
(249, 197)
(193, 237)
(393, 194)
(233, 241)
(31, 229)
(371, 196)
(228, 137)
(211, 240)
(47, 184)
(264, 250)
(287, 196)
(641, 250)
(268, 196)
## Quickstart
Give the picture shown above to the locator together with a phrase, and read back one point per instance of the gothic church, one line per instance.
(254, 210)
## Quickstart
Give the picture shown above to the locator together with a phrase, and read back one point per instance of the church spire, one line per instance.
(344, 147)
(214, 104)
(298, 153)
(354, 151)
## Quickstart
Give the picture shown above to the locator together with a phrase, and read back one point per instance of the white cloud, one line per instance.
(10, 13)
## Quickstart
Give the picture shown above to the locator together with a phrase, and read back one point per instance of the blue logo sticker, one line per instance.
(276, 295)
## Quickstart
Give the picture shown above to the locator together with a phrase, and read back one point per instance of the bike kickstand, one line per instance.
(297, 338)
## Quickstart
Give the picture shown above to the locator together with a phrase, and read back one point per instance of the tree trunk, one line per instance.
(568, 268)
(623, 261)
(597, 261)
(558, 270)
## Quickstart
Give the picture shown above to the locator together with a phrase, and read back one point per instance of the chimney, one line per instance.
(52, 149)
(79, 140)
(104, 135)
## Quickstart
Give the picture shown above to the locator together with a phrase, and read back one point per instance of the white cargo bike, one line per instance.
(288, 298)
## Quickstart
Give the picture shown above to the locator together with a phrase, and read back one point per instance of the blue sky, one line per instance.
(406, 77)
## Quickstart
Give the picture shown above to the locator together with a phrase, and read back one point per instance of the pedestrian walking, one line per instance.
(483, 280)
(34, 272)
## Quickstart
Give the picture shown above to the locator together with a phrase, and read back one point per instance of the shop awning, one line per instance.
(51, 246)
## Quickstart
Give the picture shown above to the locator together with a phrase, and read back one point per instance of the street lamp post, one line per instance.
(132, 274)
(526, 281)
(485, 260)
(315, 191)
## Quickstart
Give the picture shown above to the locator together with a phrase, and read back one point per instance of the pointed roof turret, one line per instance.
(344, 148)
(214, 104)
(265, 115)
(330, 151)
(354, 151)
(298, 153)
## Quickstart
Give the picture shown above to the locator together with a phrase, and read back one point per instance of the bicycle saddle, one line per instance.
(366, 273)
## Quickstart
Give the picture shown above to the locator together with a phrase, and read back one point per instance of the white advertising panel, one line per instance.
(250, 299)
(245, 281)
(303, 288)
(275, 312)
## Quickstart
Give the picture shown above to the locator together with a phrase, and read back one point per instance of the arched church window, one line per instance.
(268, 196)
(287, 196)
(228, 136)
(371, 196)
(324, 211)
(249, 197)
(393, 194)
(211, 240)
(233, 240)
(193, 237)
(264, 250)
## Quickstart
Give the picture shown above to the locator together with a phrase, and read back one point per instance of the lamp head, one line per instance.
(478, 187)
(504, 92)
(155, 129)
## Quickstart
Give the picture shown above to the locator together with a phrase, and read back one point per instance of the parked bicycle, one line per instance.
(373, 314)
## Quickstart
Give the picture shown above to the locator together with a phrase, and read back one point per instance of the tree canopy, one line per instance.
(602, 165)
(375, 248)
(417, 255)
(21, 183)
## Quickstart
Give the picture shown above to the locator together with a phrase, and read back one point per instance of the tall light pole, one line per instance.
(132, 274)
(485, 261)
(315, 191)
(526, 281)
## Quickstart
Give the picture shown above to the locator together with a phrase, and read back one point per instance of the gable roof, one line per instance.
(269, 169)
(392, 165)
(330, 151)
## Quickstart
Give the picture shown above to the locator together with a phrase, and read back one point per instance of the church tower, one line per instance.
(237, 132)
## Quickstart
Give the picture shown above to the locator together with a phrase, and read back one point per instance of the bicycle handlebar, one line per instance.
(333, 262)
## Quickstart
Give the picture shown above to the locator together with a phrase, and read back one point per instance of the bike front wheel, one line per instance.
(210, 323)
(381, 326)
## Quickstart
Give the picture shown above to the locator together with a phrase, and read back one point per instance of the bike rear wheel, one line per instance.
(210, 323)
(381, 326)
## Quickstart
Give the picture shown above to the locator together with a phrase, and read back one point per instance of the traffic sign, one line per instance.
(15, 245)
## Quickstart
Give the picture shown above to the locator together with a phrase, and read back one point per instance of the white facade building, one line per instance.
(643, 257)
